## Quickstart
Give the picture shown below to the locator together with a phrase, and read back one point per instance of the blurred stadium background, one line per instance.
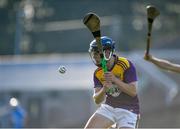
(36, 36)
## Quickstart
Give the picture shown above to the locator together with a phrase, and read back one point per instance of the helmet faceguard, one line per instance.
(108, 47)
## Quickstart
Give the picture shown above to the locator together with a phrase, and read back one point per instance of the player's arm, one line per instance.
(99, 91)
(129, 84)
(164, 64)
(99, 95)
(128, 88)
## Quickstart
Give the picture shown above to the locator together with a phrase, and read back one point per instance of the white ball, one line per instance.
(62, 69)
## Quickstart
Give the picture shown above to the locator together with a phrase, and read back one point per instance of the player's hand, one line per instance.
(107, 84)
(147, 57)
(109, 77)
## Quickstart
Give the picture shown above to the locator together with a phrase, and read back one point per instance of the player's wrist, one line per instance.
(115, 80)
(104, 89)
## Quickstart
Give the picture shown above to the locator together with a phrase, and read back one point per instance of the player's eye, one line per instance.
(107, 48)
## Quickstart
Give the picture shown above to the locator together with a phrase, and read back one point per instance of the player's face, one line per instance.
(96, 57)
(107, 53)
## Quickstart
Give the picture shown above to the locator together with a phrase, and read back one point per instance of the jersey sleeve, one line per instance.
(130, 74)
(97, 83)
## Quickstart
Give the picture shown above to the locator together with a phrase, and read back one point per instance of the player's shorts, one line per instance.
(121, 117)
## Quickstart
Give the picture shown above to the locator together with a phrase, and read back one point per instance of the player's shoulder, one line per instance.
(124, 62)
(99, 69)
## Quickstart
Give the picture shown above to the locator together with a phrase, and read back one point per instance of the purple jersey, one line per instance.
(125, 71)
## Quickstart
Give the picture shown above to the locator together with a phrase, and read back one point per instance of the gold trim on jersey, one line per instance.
(121, 64)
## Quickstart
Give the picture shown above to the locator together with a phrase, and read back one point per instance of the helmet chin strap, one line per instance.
(107, 58)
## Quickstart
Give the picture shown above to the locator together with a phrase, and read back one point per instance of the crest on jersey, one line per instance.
(114, 91)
